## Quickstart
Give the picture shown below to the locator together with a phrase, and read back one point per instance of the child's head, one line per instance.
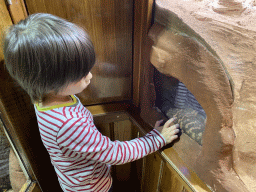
(45, 53)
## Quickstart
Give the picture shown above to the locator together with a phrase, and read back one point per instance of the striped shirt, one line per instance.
(80, 154)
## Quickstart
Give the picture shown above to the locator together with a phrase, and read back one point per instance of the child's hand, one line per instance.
(169, 131)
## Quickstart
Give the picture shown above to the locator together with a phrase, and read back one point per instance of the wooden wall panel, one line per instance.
(152, 173)
(17, 10)
(138, 165)
(105, 129)
(170, 181)
(123, 132)
(5, 21)
(110, 26)
(125, 175)
(142, 23)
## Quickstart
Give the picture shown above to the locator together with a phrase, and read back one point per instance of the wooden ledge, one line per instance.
(187, 175)
(99, 110)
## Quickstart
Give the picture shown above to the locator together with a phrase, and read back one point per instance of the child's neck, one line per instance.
(55, 100)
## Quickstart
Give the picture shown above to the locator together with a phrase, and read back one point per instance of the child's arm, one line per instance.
(78, 137)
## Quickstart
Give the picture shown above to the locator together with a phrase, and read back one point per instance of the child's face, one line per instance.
(77, 87)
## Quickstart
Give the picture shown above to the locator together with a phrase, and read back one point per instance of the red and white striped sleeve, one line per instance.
(80, 136)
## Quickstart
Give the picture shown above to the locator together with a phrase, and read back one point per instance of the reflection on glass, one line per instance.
(175, 100)
(4, 162)
(12, 177)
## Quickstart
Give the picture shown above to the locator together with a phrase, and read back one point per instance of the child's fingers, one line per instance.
(169, 122)
(174, 127)
(175, 131)
(173, 136)
(158, 123)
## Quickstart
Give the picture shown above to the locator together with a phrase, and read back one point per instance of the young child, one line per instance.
(51, 59)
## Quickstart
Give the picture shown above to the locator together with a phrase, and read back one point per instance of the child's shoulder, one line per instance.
(56, 105)
(74, 110)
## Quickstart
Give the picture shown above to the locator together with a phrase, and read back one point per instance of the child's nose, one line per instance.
(90, 75)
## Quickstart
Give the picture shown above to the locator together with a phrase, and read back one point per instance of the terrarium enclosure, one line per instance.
(201, 69)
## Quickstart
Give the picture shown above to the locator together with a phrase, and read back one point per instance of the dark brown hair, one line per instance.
(44, 53)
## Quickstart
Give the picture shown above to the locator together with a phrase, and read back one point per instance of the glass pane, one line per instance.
(175, 100)
(209, 45)
(12, 172)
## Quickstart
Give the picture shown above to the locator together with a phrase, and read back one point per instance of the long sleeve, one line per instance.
(79, 136)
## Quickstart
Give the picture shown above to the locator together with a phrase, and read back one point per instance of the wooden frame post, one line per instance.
(142, 21)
